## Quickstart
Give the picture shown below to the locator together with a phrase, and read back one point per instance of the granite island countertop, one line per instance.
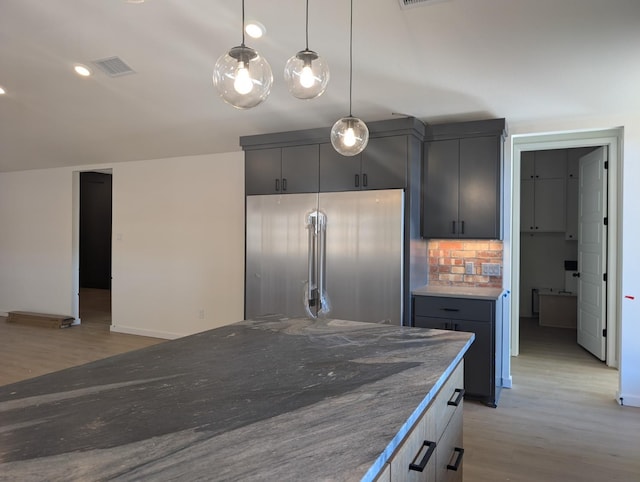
(270, 399)
(470, 292)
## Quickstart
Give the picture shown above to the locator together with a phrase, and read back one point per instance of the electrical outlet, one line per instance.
(491, 269)
(468, 268)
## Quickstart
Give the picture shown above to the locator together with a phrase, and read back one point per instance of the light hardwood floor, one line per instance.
(559, 422)
(30, 351)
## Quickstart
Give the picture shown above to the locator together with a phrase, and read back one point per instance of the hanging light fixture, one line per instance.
(349, 135)
(306, 73)
(243, 78)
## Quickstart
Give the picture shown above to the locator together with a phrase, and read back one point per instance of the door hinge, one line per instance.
(604, 277)
(604, 332)
(606, 221)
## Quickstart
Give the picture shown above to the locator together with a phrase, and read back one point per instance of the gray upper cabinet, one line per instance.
(461, 187)
(382, 165)
(282, 170)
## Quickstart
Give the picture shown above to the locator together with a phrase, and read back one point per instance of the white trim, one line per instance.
(628, 400)
(507, 382)
(167, 335)
(612, 138)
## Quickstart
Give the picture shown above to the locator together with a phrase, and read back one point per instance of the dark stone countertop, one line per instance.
(271, 399)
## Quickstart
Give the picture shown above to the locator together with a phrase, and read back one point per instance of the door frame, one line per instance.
(612, 139)
(75, 240)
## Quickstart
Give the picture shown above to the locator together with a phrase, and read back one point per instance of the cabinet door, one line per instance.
(300, 169)
(338, 172)
(527, 220)
(549, 205)
(428, 322)
(479, 204)
(384, 163)
(440, 190)
(551, 164)
(262, 171)
(571, 232)
(527, 165)
(479, 359)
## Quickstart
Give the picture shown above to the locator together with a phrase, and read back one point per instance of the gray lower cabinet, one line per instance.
(483, 360)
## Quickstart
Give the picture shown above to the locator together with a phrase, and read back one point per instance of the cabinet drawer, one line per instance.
(413, 449)
(449, 455)
(450, 392)
(453, 308)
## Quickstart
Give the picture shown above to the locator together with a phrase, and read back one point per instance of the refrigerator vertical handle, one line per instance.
(321, 247)
(311, 291)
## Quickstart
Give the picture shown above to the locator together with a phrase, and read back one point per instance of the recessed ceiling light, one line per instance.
(255, 29)
(2, 91)
(82, 70)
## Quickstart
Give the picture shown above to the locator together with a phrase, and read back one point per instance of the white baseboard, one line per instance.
(77, 321)
(167, 335)
(627, 399)
(507, 382)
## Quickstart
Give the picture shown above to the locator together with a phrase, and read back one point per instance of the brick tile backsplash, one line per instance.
(447, 260)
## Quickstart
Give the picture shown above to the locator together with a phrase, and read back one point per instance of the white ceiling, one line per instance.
(450, 60)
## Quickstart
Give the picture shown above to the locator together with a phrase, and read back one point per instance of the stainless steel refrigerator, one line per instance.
(328, 255)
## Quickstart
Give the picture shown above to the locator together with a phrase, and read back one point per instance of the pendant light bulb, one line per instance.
(350, 135)
(243, 83)
(307, 78)
(242, 76)
(306, 73)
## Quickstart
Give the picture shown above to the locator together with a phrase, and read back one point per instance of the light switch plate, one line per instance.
(469, 268)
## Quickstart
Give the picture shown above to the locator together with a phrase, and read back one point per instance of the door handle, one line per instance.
(576, 275)
(284, 183)
(277, 184)
(357, 180)
(365, 181)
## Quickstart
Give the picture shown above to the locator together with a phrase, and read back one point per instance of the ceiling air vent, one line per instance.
(113, 66)
(416, 3)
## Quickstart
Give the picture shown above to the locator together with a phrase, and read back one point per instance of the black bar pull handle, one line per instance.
(284, 183)
(456, 402)
(456, 465)
(277, 184)
(461, 227)
(357, 181)
(453, 227)
(431, 447)
(576, 275)
(365, 181)
(450, 309)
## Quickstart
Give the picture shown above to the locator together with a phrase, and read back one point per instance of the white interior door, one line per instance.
(592, 252)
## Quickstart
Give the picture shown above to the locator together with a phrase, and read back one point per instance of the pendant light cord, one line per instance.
(350, 58)
(243, 23)
(307, 27)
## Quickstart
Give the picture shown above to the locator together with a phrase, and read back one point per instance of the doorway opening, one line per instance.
(611, 139)
(93, 252)
(562, 226)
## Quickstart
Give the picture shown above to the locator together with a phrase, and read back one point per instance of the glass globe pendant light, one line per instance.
(350, 135)
(306, 73)
(243, 77)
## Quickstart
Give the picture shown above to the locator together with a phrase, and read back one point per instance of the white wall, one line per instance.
(35, 241)
(630, 342)
(178, 248)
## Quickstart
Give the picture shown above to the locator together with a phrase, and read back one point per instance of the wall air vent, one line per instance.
(113, 66)
(404, 4)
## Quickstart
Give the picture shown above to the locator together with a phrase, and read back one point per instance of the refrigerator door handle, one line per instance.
(315, 292)
(323, 306)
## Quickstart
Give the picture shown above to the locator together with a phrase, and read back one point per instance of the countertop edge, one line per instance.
(385, 456)
(460, 292)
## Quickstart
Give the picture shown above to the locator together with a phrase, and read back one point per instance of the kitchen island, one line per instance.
(267, 399)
